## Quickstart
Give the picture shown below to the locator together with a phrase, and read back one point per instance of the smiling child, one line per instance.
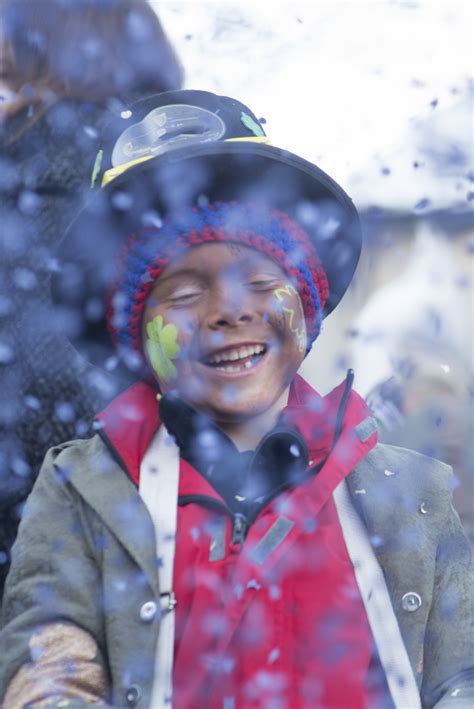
(225, 329)
(230, 538)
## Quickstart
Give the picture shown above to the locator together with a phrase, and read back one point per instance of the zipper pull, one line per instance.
(239, 528)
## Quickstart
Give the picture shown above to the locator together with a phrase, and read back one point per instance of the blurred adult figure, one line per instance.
(417, 374)
(66, 68)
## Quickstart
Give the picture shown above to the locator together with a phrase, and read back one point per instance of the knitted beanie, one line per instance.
(149, 251)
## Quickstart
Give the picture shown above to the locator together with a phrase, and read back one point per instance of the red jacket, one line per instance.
(275, 619)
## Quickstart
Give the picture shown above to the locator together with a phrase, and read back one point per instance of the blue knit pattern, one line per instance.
(171, 240)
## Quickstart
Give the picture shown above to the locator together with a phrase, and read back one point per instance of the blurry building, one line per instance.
(412, 342)
(406, 326)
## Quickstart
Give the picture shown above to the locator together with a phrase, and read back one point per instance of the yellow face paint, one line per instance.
(162, 347)
(299, 330)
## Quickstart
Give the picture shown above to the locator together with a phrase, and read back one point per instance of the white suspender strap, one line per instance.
(159, 477)
(381, 616)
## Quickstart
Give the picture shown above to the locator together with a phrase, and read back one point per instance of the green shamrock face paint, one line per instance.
(162, 347)
(296, 322)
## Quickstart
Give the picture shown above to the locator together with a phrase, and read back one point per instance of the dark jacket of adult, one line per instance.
(70, 67)
(45, 394)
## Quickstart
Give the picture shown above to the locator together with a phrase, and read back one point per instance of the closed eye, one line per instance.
(262, 284)
(184, 296)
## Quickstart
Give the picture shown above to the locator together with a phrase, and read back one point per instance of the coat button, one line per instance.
(148, 611)
(411, 601)
(133, 695)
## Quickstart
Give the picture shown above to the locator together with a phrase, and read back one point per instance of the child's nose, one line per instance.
(230, 319)
(230, 309)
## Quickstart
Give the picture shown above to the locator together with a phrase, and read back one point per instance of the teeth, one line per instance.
(237, 353)
(229, 368)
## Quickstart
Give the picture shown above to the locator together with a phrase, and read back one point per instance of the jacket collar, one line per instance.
(114, 499)
(128, 424)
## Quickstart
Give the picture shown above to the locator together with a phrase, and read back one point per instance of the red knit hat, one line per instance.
(271, 232)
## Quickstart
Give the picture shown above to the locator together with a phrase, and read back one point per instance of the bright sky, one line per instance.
(339, 81)
(344, 83)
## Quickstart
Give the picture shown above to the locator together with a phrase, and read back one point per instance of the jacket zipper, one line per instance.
(239, 521)
(240, 526)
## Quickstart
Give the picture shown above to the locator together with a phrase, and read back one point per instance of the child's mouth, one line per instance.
(236, 359)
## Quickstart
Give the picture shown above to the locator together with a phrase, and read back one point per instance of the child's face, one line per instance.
(224, 327)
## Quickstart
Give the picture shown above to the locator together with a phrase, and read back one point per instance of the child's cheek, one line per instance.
(290, 315)
(162, 347)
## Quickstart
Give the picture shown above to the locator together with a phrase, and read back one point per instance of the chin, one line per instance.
(235, 414)
(233, 400)
(242, 409)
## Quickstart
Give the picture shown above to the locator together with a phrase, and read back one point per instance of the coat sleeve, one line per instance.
(448, 677)
(52, 641)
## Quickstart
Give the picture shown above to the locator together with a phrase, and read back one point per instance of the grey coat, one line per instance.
(85, 555)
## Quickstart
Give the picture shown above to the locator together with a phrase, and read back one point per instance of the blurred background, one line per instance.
(379, 94)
